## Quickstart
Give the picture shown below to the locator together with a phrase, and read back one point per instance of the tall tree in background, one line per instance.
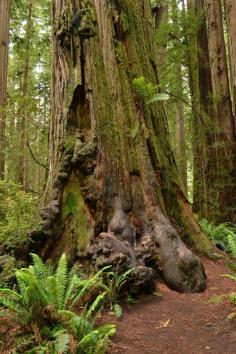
(111, 163)
(205, 157)
(23, 164)
(230, 11)
(28, 94)
(181, 156)
(224, 124)
(4, 43)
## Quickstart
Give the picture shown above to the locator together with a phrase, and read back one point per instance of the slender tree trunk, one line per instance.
(230, 11)
(108, 185)
(4, 43)
(23, 163)
(205, 163)
(199, 185)
(161, 18)
(181, 156)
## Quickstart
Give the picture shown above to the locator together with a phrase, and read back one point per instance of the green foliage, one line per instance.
(18, 215)
(115, 287)
(148, 91)
(216, 299)
(232, 243)
(222, 235)
(43, 304)
(28, 91)
(232, 297)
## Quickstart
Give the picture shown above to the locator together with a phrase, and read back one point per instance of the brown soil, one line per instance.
(179, 323)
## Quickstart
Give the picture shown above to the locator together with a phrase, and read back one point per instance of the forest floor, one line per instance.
(173, 323)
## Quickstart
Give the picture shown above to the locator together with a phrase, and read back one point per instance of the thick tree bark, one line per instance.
(230, 11)
(161, 19)
(113, 180)
(224, 124)
(4, 43)
(205, 162)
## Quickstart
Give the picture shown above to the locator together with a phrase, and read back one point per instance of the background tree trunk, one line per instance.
(113, 178)
(22, 169)
(230, 11)
(205, 162)
(224, 126)
(180, 132)
(4, 43)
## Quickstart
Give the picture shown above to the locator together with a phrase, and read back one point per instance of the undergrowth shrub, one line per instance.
(42, 308)
(115, 286)
(222, 235)
(18, 215)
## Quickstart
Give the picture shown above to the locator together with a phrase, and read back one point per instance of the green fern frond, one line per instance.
(232, 244)
(232, 277)
(72, 285)
(96, 303)
(40, 269)
(62, 342)
(61, 281)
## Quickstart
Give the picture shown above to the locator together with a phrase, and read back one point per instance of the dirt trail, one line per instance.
(179, 323)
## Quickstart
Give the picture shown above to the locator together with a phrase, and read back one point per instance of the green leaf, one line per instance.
(118, 310)
(158, 97)
(62, 343)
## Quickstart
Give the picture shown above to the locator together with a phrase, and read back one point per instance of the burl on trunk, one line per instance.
(114, 193)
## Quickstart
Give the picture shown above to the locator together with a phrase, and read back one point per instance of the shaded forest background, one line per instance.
(199, 110)
(90, 96)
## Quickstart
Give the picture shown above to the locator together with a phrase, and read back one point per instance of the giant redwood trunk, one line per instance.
(114, 192)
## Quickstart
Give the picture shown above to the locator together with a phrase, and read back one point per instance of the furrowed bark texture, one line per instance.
(4, 43)
(204, 141)
(113, 181)
(224, 123)
(230, 11)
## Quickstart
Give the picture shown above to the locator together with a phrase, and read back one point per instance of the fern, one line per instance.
(48, 296)
(148, 91)
(95, 305)
(61, 281)
(232, 244)
(61, 342)
(222, 235)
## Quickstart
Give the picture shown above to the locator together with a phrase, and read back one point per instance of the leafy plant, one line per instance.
(18, 214)
(115, 284)
(148, 91)
(44, 305)
(232, 296)
(222, 235)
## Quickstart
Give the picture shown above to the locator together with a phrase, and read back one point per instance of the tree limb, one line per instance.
(34, 158)
(188, 104)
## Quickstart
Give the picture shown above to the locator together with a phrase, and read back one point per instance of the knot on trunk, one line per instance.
(182, 270)
(85, 155)
(109, 250)
(120, 226)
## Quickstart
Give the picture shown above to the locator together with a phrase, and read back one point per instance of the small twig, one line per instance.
(34, 192)
(188, 104)
(34, 158)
